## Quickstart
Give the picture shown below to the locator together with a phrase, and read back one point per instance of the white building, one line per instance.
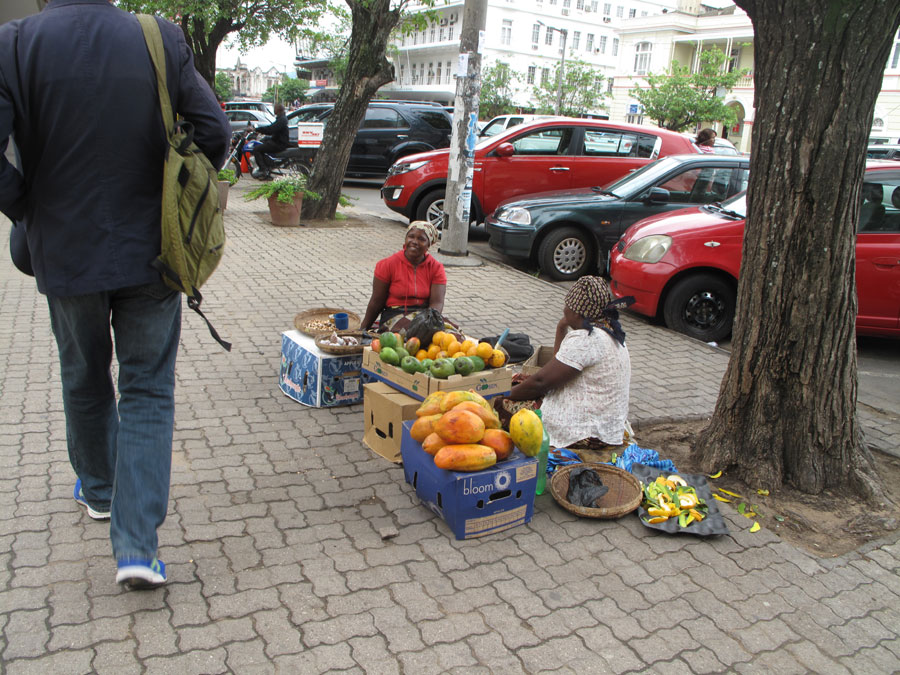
(251, 82)
(650, 44)
(525, 34)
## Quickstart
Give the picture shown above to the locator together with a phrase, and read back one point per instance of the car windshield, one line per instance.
(638, 180)
(734, 206)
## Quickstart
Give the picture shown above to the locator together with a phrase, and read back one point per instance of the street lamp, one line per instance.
(562, 63)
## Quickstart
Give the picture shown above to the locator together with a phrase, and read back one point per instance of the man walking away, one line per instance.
(89, 195)
(279, 139)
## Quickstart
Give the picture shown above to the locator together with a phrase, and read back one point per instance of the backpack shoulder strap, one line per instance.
(153, 38)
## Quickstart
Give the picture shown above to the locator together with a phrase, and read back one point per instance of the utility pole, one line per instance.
(461, 167)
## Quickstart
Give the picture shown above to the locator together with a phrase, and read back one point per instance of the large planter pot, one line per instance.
(285, 215)
(224, 187)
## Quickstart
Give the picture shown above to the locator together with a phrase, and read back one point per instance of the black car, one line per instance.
(883, 151)
(389, 131)
(569, 233)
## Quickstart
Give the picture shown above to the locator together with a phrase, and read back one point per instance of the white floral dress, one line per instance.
(595, 403)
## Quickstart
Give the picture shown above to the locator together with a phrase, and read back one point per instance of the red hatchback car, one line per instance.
(551, 154)
(683, 266)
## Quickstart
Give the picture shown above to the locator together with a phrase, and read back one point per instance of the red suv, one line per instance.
(551, 154)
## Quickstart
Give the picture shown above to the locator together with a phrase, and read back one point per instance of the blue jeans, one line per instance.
(123, 454)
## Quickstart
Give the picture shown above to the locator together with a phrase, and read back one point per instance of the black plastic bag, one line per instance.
(585, 487)
(424, 325)
(517, 345)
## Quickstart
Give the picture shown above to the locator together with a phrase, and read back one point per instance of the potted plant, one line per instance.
(227, 178)
(285, 197)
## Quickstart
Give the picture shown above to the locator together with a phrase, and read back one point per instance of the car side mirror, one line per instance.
(505, 150)
(657, 195)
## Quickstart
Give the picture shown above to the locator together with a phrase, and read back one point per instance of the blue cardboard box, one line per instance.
(477, 503)
(315, 378)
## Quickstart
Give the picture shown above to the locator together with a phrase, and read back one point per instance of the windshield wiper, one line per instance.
(600, 190)
(717, 206)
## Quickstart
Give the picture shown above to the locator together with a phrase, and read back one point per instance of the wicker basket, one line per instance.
(303, 319)
(624, 494)
(323, 344)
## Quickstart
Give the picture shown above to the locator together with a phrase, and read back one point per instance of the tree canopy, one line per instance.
(207, 23)
(497, 82)
(680, 99)
(287, 91)
(582, 90)
(223, 87)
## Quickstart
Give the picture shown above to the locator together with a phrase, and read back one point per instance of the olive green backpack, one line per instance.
(193, 232)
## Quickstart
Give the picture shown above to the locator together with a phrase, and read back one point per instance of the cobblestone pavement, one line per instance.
(273, 542)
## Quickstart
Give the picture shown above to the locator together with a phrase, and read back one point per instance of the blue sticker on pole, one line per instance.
(471, 137)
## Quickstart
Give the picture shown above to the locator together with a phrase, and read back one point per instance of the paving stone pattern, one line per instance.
(273, 541)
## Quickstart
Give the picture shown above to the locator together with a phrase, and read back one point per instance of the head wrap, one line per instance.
(591, 298)
(426, 227)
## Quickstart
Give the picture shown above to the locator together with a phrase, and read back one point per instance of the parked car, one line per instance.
(883, 151)
(503, 122)
(251, 105)
(389, 131)
(569, 233)
(683, 266)
(553, 154)
(241, 118)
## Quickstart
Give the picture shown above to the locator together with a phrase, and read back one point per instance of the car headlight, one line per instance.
(649, 249)
(405, 167)
(514, 216)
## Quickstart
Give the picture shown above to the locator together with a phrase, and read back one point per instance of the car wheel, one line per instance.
(701, 306)
(431, 208)
(566, 254)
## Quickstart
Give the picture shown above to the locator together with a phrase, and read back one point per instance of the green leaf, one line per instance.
(741, 508)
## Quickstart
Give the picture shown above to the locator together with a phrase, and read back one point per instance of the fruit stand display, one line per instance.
(445, 364)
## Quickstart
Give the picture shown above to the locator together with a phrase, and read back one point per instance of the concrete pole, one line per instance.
(562, 72)
(461, 168)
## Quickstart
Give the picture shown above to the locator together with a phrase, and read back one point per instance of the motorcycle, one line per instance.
(289, 162)
(236, 153)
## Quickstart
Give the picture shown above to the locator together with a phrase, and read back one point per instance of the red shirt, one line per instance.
(409, 286)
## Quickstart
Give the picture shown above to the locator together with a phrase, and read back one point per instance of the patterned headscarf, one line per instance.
(591, 298)
(426, 227)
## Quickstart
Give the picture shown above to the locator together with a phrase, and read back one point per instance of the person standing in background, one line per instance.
(90, 193)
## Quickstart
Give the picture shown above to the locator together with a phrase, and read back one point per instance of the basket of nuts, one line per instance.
(320, 321)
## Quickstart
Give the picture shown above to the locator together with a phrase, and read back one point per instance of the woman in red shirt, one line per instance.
(409, 280)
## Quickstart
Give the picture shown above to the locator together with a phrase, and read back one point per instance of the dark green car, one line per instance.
(569, 233)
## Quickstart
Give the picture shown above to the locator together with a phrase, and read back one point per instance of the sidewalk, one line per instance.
(272, 540)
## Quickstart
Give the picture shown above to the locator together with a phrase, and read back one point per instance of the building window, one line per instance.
(545, 75)
(449, 74)
(594, 4)
(439, 74)
(576, 38)
(552, 2)
(643, 13)
(642, 57)
(620, 12)
(548, 39)
(607, 10)
(602, 44)
(567, 4)
(615, 47)
(589, 43)
(632, 13)
(531, 73)
(535, 34)
(430, 73)
(506, 32)
(432, 32)
(415, 38)
(609, 86)
(896, 60)
(579, 4)
(443, 31)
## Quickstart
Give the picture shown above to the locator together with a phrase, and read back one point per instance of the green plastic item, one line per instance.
(543, 455)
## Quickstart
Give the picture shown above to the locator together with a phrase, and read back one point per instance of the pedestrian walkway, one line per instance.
(273, 541)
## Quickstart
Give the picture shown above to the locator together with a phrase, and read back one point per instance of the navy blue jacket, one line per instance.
(78, 93)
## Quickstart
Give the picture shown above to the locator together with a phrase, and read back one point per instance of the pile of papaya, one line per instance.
(445, 356)
(672, 497)
(463, 433)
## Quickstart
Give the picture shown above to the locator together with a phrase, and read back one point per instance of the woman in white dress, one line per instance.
(583, 391)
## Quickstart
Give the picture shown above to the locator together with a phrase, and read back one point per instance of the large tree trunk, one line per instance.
(787, 405)
(367, 70)
(206, 45)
